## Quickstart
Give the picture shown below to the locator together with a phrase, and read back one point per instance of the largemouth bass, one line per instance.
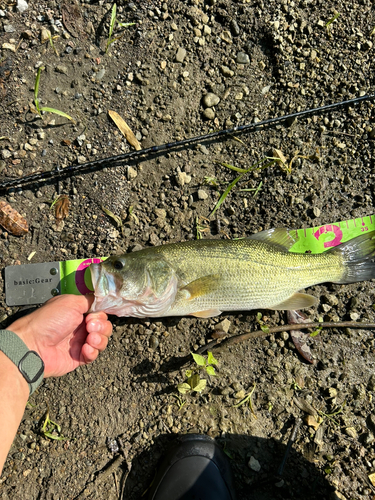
(203, 278)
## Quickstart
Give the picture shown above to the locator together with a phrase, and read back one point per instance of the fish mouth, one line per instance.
(105, 290)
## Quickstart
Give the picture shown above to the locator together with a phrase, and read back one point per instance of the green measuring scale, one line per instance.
(35, 283)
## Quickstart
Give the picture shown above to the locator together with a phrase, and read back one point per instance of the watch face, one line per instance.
(31, 366)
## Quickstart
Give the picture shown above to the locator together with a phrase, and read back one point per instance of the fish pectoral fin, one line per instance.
(201, 286)
(210, 313)
(296, 301)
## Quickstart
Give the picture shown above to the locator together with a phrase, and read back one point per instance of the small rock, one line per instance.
(254, 464)
(210, 100)
(153, 342)
(181, 54)
(61, 69)
(45, 35)
(9, 46)
(372, 478)
(100, 74)
(163, 64)
(223, 325)
(225, 71)
(21, 6)
(316, 211)
(8, 28)
(5, 153)
(160, 212)
(209, 114)
(132, 173)
(183, 178)
(235, 28)
(242, 58)
(202, 195)
(226, 36)
(351, 432)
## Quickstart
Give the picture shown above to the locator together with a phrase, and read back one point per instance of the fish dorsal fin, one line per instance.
(295, 302)
(283, 238)
(201, 286)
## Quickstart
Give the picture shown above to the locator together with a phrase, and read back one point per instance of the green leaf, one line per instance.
(58, 112)
(236, 169)
(113, 216)
(210, 371)
(200, 360)
(200, 386)
(188, 373)
(36, 86)
(265, 328)
(226, 192)
(194, 380)
(183, 388)
(210, 359)
(113, 20)
(125, 25)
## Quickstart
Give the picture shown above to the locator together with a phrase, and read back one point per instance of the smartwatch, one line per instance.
(29, 363)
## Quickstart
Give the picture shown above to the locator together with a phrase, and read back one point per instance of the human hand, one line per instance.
(61, 334)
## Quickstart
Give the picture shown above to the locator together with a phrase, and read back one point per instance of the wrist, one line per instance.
(27, 362)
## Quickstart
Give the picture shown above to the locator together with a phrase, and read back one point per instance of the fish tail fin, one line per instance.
(358, 258)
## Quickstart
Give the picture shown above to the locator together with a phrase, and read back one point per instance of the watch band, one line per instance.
(29, 363)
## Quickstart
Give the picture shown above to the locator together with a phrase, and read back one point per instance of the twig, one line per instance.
(102, 476)
(236, 339)
(289, 445)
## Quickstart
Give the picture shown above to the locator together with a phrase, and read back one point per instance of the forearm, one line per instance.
(14, 393)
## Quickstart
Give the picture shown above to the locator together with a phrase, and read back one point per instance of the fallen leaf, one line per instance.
(12, 221)
(125, 129)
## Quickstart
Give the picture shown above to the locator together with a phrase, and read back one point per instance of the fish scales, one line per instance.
(253, 274)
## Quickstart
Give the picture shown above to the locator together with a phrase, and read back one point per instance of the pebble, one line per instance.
(223, 325)
(100, 74)
(209, 114)
(254, 464)
(44, 35)
(153, 342)
(8, 28)
(60, 68)
(242, 58)
(210, 100)
(225, 71)
(235, 28)
(226, 36)
(183, 178)
(5, 153)
(9, 46)
(316, 211)
(132, 173)
(181, 54)
(202, 195)
(21, 6)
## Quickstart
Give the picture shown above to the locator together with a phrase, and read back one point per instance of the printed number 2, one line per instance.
(330, 228)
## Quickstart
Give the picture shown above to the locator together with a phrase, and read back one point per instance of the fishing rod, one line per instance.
(60, 172)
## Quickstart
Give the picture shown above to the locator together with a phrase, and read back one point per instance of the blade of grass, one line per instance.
(226, 192)
(57, 112)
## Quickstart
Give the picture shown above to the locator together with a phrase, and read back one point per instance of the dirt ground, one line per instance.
(259, 59)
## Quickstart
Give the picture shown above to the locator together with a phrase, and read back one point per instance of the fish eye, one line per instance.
(118, 265)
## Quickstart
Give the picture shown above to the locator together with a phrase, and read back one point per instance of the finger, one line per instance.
(89, 353)
(97, 341)
(104, 327)
(96, 315)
